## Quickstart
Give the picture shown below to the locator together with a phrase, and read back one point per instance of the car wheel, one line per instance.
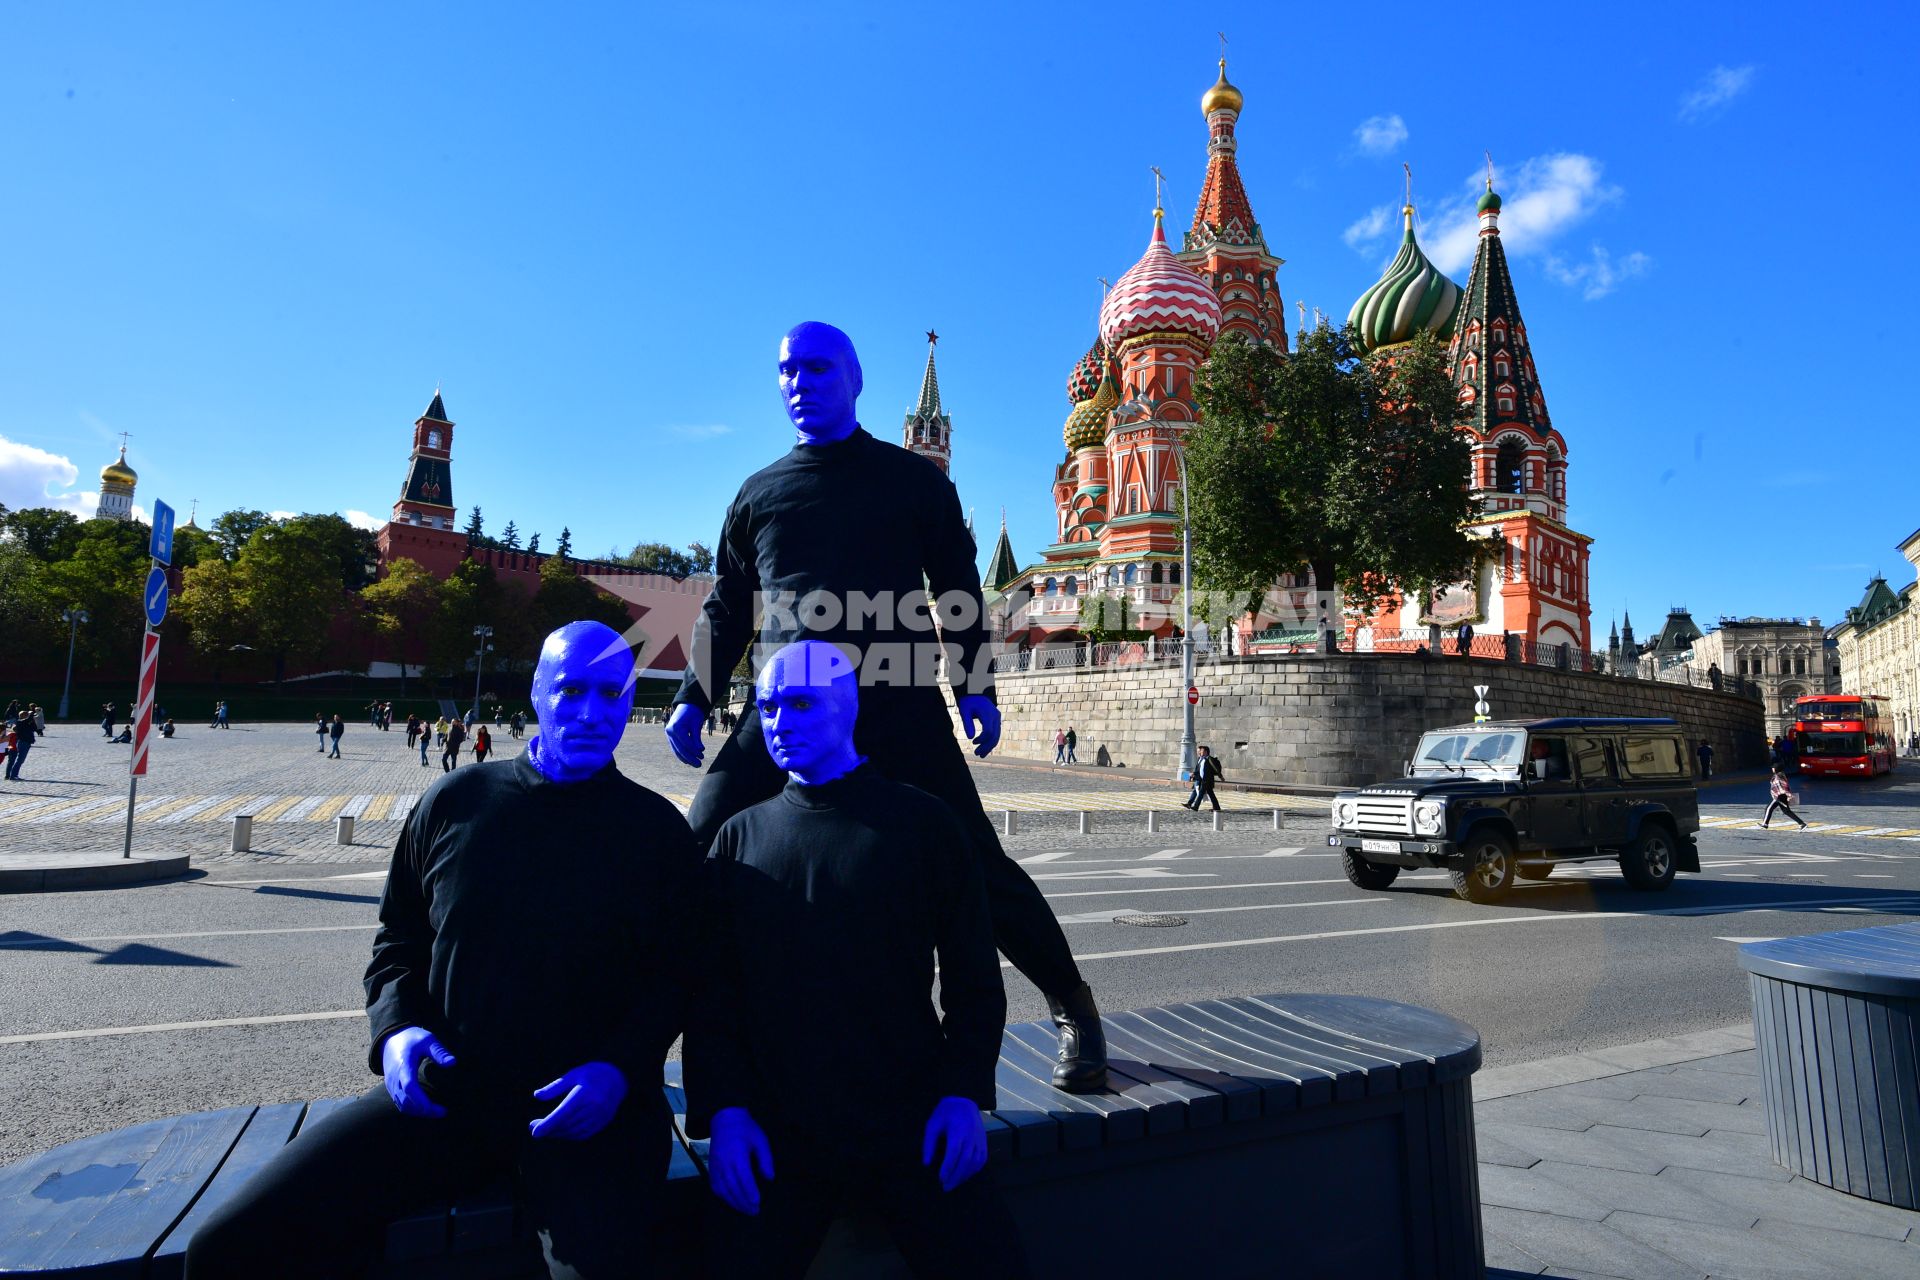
(1367, 875)
(1649, 862)
(1533, 870)
(1488, 874)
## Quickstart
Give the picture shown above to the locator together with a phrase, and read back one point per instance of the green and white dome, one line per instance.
(1411, 296)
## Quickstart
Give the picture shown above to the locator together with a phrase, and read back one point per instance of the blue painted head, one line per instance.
(809, 697)
(582, 696)
(819, 382)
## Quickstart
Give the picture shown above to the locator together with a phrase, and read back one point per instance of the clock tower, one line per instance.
(422, 526)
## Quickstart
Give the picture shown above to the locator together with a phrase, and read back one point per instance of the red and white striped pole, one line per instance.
(142, 725)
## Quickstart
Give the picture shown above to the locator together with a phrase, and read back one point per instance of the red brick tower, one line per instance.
(422, 526)
(1225, 244)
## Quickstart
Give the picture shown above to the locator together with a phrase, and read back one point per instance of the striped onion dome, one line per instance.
(1411, 296)
(1085, 378)
(1159, 294)
(1087, 424)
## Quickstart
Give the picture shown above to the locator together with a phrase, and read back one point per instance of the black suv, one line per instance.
(1514, 798)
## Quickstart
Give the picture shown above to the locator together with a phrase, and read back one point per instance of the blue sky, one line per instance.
(257, 236)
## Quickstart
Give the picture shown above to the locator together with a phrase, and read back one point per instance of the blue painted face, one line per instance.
(583, 696)
(820, 380)
(808, 697)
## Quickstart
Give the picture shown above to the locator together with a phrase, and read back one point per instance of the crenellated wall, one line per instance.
(1340, 720)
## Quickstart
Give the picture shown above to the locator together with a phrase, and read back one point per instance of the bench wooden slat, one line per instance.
(1383, 1072)
(1351, 1079)
(1241, 1099)
(1022, 1099)
(1160, 1110)
(266, 1132)
(99, 1206)
(1120, 1120)
(1445, 1048)
(1229, 1054)
(1000, 1139)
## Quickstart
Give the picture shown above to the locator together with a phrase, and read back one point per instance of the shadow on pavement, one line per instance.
(329, 895)
(1689, 895)
(141, 953)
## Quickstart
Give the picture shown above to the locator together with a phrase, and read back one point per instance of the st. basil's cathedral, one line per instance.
(1116, 494)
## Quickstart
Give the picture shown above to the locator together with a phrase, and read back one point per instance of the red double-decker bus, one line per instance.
(1843, 735)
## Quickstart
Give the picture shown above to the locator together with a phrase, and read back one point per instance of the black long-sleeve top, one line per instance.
(826, 907)
(860, 515)
(534, 926)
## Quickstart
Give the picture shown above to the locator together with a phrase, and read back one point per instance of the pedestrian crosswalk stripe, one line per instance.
(327, 810)
(21, 807)
(74, 812)
(35, 808)
(377, 808)
(168, 804)
(301, 807)
(272, 812)
(356, 807)
(227, 806)
(191, 812)
(403, 805)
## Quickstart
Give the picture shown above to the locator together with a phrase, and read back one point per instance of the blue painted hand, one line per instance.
(956, 1125)
(583, 696)
(808, 699)
(589, 1095)
(820, 380)
(739, 1145)
(978, 707)
(400, 1063)
(683, 734)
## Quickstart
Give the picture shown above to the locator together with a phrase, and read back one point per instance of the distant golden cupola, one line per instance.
(1222, 97)
(118, 472)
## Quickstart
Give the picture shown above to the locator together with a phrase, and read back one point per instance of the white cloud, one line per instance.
(1597, 276)
(706, 432)
(1722, 85)
(283, 515)
(1377, 135)
(29, 477)
(361, 520)
(1546, 195)
(1369, 229)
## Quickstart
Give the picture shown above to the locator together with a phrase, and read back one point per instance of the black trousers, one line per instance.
(318, 1209)
(1202, 791)
(963, 1234)
(909, 737)
(1779, 803)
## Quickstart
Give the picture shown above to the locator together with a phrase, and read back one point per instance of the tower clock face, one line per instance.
(433, 438)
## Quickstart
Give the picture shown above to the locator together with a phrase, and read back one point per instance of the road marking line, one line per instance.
(1055, 856)
(75, 813)
(191, 811)
(356, 807)
(403, 805)
(1285, 853)
(1870, 875)
(182, 1026)
(1745, 940)
(1106, 917)
(1183, 888)
(1165, 855)
(31, 944)
(174, 804)
(299, 809)
(354, 875)
(1121, 873)
(1806, 875)
(270, 812)
(227, 808)
(328, 809)
(378, 808)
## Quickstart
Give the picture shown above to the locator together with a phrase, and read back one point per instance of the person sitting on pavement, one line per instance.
(534, 1049)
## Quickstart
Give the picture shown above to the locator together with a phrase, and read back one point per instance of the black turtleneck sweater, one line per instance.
(534, 926)
(826, 907)
(857, 516)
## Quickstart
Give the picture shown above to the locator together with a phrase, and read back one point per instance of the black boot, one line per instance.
(1082, 1065)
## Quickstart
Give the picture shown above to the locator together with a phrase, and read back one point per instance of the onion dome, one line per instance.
(1222, 97)
(1159, 294)
(1411, 296)
(119, 472)
(1087, 424)
(1085, 378)
(1490, 202)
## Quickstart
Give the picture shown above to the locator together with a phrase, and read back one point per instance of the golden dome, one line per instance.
(119, 472)
(1222, 97)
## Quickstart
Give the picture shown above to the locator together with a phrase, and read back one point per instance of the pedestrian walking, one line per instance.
(320, 730)
(1206, 772)
(413, 730)
(220, 714)
(482, 745)
(515, 724)
(1072, 740)
(106, 720)
(334, 733)
(425, 738)
(1463, 643)
(19, 742)
(1705, 752)
(1782, 800)
(440, 732)
(456, 734)
(1059, 746)
(39, 719)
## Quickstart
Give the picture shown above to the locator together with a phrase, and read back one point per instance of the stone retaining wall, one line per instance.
(1341, 720)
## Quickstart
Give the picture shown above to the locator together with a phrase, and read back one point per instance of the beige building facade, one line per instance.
(1788, 658)
(1880, 647)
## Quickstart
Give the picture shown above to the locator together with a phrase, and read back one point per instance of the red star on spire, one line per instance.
(932, 337)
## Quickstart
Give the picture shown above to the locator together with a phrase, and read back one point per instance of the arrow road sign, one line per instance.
(160, 546)
(155, 596)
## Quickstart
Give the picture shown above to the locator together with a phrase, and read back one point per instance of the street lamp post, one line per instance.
(479, 662)
(73, 617)
(1186, 619)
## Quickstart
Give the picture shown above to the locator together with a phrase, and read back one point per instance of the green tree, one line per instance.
(46, 533)
(29, 621)
(212, 607)
(658, 557)
(533, 543)
(700, 557)
(355, 550)
(290, 587)
(564, 596)
(510, 537)
(402, 607)
(476, 529)
(565, 547)
(232, 530)
(191, 545)
(1325, 459)
(104, 575)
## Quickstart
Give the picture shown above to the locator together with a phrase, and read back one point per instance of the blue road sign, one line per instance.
(160, 547)
(155, 596)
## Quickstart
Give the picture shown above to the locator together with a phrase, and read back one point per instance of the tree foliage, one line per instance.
(1330, 461)
(232, 530)
(659, 557)
(46, 533)
(290, 585)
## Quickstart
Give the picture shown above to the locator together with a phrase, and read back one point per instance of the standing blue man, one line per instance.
(827, 907)
(527, 980)
(843, 540)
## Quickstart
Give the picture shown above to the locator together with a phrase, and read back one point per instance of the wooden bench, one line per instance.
(1836, 1020)
(1295, 1134)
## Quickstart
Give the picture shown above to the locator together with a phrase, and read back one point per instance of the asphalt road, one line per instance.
(243, 984)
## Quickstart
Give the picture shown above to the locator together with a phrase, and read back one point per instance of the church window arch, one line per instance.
(1510, 466)
(1503, 397)
(1052, 587)
(1072, 585)
(1127, 576)
(1467, 394)
(1470, 367)
(1502, 365)
(1498, 332)
(1155, 575)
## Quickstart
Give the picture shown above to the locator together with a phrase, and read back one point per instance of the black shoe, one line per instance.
(1082, 1064)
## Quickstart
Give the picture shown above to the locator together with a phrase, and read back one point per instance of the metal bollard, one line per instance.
(1086, 822)
(1009, 823)
(1276, 820)
(1217, 816)
(343, 829)
(1153, 820)
(242, 833)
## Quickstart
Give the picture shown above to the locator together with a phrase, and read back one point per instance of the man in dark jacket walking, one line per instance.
(1206, 772)
(456, 734)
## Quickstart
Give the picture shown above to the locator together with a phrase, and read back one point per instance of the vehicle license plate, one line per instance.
(1380, 846)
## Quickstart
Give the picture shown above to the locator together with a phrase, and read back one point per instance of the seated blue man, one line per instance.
(842, 540)
(525, 986)
(814, 1054)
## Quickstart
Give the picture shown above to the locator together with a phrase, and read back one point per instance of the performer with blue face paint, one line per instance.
(842, 540)
(815, 1045)
(525, 986)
